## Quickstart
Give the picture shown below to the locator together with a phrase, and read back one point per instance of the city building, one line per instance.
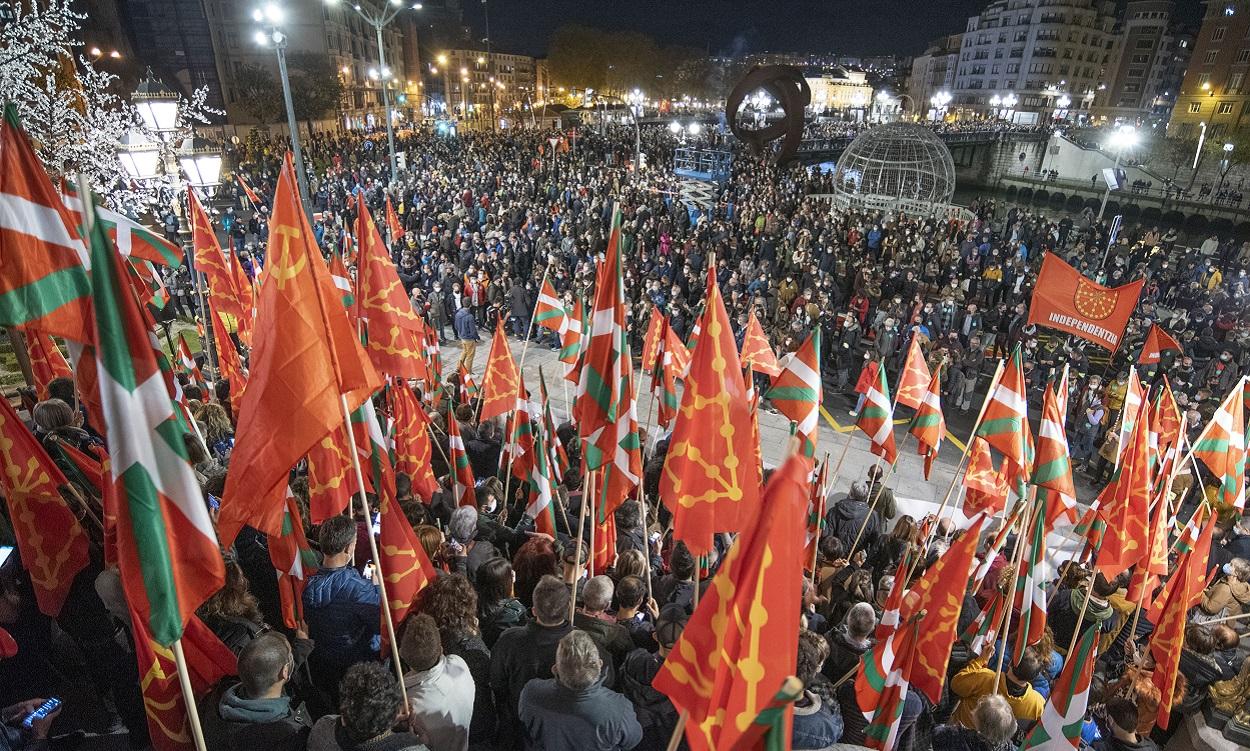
(933, 72)
(478, 82)
(840, 90)
(1047, 56)
(1151, 54)
(1214, 94)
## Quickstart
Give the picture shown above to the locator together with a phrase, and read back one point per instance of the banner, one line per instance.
(1065, 300)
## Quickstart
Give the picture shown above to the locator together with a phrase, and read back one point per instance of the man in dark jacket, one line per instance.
(849, 642)
(655, 711)
(1122, 728)
(254, 713)
(573, 711)
(847, 518)
(340, 606)
(1065, 609)
(466, 331)
(593, 618)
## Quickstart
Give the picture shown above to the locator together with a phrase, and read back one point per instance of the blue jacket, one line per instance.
(342, 609)
(465, 325)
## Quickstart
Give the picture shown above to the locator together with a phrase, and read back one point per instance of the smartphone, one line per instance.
(214, 502)
(42, 711)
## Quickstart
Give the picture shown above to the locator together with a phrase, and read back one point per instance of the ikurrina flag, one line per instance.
(573, 342)
(984, 487)
(915, 377)
(502, 379)
(392, 326)
(710, 482)
(1124, 506)
(229, 291)
(756, 352)
(815, 516)
(1059, 728)
(51, 542)
(741, 642)
(1065, 300)
(549, 311)
(1134, 397)
(1157, 342)
(462, 482)
(1222, 448)
(882, 683)
(208, 661)
(44, 264)
(928, 425)
(411, 441)
(46, 360)
(1052, 470)
(518, 448)
(1005, 425)
(306, 363)
(166, 547)
(797, 391)
(294, 561)
(557, 457)
(393, 227)
(893, 601)
(134, 241)
(876, 418)
(343, 283)
(186, 361)
(1030, 596)
(983, 630)
(542, 490)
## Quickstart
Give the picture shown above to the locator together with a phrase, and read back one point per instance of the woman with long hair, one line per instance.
(233, 613)
(536, 558)
(497, 608)
(452, 602)
(218, 432)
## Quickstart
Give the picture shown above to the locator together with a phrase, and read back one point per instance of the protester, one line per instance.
(254, 713)
(440, 689)
(370, 707)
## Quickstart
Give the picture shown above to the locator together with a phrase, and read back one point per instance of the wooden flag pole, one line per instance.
(679, 731)
(1027, 519)
(22, 354)
(389, 622)
(1076, 632)
(587, 493)
(188, 696)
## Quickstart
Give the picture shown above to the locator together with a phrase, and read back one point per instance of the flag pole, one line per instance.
(1027, 519)
(679, 731)
(587, 493)
(872, 507)
(1076, 632)
(188, 696)
(389, 622)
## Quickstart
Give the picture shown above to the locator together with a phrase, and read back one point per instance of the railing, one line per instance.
(837, 143)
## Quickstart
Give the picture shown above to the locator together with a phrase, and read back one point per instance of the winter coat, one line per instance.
(341, 608)
(466, 325)
(519, 655)
(234, 723)
(495, 618)
(442, 700)
(843, 655)
(654, 710)
(817, 723)
(845, 520)
(557, 718)
(1227, 597)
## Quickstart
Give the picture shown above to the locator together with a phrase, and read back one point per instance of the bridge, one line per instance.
(963, 144)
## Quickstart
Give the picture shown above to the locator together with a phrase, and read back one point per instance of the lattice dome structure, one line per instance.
(901, 166)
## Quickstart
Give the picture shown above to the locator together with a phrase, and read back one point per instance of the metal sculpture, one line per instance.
(785, 83)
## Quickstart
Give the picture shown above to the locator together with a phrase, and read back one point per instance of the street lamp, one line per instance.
(140, 157)
(201, 161)
(157, 105)
(674, 127)
(379, 22)
(939, 102)
(1009, 104)
(1124, 137)
(270, 34)
(1225, 164)
(996, 103)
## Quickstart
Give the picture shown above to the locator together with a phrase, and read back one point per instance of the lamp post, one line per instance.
(939, 102)
(270, 17)
(379, 22)
(1009, 104)
(1122, 138)
(996, 103)
(1225, 165)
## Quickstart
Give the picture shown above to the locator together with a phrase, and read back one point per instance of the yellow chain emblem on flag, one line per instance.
(1093, 303)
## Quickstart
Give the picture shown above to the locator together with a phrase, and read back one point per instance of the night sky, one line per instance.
(855, 27)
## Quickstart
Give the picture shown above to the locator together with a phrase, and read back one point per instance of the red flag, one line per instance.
(404, 563)
(304, 360)
(247, 190)
(709, 480)
(1157, 340)
(1065, 300)
(331, 481)
(914, 380)
(1124, 506)
(46, 360)
(52, 544)
(741, 642)
(229, 290)
(393, 226)
(413, 449)
(756, 353)
(1169, 613)
(392, 326)
(653, 341)
(502, 379)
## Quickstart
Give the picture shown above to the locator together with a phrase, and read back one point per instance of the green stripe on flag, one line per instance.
(45, 295)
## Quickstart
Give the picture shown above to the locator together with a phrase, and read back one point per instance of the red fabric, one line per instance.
(1065, 300)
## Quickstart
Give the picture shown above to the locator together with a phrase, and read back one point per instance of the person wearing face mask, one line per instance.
(1221, 373)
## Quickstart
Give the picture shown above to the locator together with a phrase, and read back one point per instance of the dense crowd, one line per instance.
(490, 657)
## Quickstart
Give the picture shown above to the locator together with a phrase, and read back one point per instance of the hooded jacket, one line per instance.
(234, 723)
(845, 520)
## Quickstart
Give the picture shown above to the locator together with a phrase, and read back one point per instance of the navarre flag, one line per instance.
(653, 341)
(915, 377)
(1157, 342)
(756, 353)
(229, 291)
(393, 227)
(44, 264)
(1065, 300)
(51, 542)
(1059, 728)
(331, 481)
(741, 642)
(928, 425)
(405, 566)
(166, 547)
(306, 361)
(984, 487)
(796, 393)
(876, 418)
(294, 561)
(502, 379)
(709, 480)
(208, 661)
(1124, 505)
(392, 326)
(1222, 448)
(548, 310)
(462, 481)
(46, 360)
(411, 436)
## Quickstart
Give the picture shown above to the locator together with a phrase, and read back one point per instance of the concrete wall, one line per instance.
(1075, 162)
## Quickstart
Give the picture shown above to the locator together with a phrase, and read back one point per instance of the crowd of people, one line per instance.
(489, 655)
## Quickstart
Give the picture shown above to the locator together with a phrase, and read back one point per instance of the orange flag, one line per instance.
(1124, 505)
(1170, 610)
(392, 220)
(46, 360)
(331, 481)
(305, 359)
(913, 383)
(229, 290)
(709, 480)
(756, 353)
(502, 379)
(985, 489)
(741, 642)
(392, 326)
(52, 544)
(413, 449)
(1157, 340)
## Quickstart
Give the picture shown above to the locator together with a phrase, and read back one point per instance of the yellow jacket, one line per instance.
(977, 680)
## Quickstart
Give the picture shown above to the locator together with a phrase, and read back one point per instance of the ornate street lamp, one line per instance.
(157, 104)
